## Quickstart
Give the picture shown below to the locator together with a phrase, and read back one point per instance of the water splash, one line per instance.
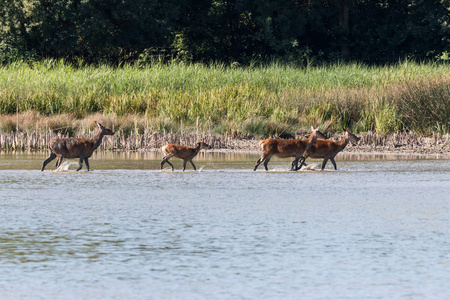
(64, 167)
(311, 167)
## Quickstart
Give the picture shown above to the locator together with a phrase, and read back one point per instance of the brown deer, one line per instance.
(184, 152)
(286, 148)
(327, 149)
(76, 147)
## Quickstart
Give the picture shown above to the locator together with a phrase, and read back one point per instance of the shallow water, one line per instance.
(377, 228)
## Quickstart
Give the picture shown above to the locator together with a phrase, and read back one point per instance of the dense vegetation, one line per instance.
(248, 66)
(242, 31)
(259, 100)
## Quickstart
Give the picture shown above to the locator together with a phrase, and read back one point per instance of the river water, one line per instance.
(378, 228)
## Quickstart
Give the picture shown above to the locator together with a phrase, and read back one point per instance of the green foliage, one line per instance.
(242, 31)
(425, 106)
(266, 100)
(94, 30)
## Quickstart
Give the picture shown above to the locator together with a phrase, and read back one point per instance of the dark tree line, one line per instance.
(371, 31)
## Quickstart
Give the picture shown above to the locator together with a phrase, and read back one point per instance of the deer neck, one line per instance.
(197, 149)
(98, 139)
(343, 143)
(308, 143)
(311, 139)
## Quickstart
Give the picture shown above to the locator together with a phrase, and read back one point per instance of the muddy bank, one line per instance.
(402, 143)
(399, 143)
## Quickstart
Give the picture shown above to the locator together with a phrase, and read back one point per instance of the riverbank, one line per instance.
(263, 100)
(398, 143)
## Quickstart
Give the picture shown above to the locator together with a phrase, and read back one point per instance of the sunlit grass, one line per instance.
(259, 100)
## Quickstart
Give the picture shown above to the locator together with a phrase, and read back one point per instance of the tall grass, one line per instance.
(261, 100)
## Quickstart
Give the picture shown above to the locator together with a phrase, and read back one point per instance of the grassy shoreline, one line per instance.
(257, 101)
(261, 101)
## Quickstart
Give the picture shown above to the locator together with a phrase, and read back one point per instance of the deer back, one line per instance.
(329, 149)
(180, 151)
(79, 147)
(281, 147)
(72, 147)
(324, 148)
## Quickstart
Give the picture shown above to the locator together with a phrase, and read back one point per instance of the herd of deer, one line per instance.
(315, 146)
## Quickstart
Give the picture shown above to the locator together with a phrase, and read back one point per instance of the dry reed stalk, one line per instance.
(23, 141)
(150, 140)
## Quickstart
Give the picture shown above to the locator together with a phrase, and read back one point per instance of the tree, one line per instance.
(91, 29)
(376, 31)
(386, 31)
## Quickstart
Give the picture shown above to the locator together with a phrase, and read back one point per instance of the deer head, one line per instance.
(103, 129)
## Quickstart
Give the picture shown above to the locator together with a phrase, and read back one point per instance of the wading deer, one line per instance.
(76, 147)
(286, 148)
(184, 152)
(328, 149)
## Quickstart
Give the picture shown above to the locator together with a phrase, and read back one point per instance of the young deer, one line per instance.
(184, 152)
(328, 149)
(286, 148)
(76, 147)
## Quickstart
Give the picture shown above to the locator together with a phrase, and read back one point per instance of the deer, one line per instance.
(81, 148)
(186, 153)
(327, 149)
(286, 148)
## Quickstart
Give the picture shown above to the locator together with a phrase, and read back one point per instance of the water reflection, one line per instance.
(43, 246)
(217, 155)
(151, 159)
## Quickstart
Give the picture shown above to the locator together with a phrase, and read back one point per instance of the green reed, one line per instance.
(263, 100)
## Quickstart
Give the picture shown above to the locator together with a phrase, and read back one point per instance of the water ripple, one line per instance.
(371, 230)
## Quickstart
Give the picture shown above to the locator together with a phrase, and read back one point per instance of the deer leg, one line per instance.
(294, 164)
(81, 164)
(184, 165)
(260, 160)
(302, 162)
(170, 164)
(266, 161)
(334, 163)
(59, 161)
(324, 163)
(166, 160)
(49, 159)
(86, 160)
(301, 159)
(193, 165)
